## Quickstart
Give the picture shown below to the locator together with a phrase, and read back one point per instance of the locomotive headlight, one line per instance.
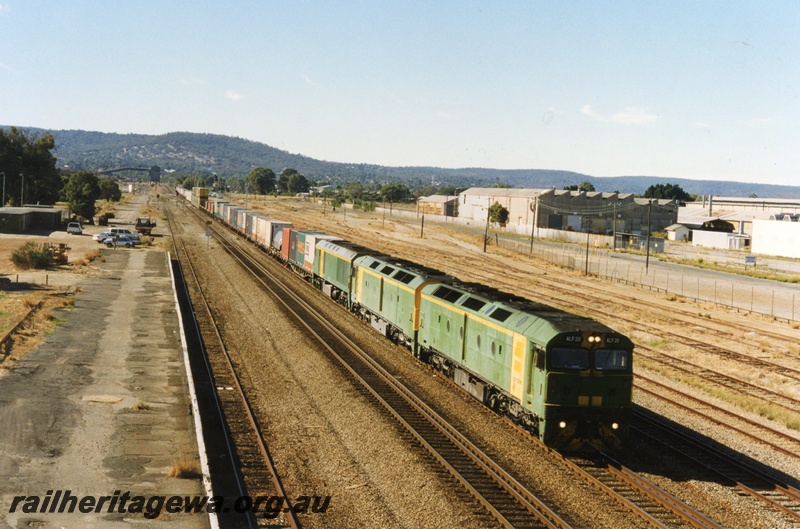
(614, 426)
(562, 424)
(594, 339)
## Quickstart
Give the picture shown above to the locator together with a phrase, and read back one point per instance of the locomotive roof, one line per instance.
(557, 319)
(409, 265)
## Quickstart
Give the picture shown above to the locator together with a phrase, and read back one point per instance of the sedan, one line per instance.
(127, 242)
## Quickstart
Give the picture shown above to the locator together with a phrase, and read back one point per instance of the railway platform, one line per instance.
(97, 417)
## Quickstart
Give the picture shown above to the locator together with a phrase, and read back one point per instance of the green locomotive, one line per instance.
(565, 378)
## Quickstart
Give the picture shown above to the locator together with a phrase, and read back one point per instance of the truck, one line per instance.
(145, 225)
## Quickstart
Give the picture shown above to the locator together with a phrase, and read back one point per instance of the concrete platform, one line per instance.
(101, 408)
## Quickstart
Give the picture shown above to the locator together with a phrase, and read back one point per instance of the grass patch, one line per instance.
(184, 468)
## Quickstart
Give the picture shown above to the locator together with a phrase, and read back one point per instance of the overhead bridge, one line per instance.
(154, 171)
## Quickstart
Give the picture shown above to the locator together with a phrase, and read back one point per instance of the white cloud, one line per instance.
(629, 116)
(192, 81)
(769, 120)
(308, 81)
(233, 95)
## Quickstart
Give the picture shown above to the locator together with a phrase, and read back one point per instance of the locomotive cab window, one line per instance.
(569, 358)
(611, 360)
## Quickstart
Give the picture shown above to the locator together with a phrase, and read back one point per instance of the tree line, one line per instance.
(29, 176)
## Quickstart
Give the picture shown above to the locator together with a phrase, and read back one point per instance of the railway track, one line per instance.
(500, 494)
(746, 477)
(654, 506)
(247, 451)
(781, 442)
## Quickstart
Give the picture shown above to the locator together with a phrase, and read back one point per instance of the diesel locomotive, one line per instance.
(566, 379)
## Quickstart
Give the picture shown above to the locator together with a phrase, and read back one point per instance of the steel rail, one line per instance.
(757, 479)
(237, 475)
(291, 516)
(414, 414)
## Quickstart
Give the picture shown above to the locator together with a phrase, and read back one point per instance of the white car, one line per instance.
(74, 228)
(101, 237)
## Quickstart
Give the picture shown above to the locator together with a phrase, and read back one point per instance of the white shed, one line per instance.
(677, 232)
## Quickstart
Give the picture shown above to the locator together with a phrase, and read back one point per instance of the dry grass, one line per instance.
(184, 468)
(140, 406)
(88, 257)
(31, 301)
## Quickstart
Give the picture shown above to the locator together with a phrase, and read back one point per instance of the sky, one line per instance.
(686, 89)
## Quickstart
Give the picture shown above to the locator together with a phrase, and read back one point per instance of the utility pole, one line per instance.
(647, 259)
(22, 190)
(486, 232)
(614, 227)
(586, 270)
(535, 215)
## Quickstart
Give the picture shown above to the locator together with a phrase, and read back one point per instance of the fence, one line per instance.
(738, 294)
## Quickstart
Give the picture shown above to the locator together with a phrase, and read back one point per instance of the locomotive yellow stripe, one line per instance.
(518, 366)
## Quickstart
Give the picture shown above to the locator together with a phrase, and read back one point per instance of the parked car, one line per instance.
(124, 232)
(127, 242)
(101, 237)
(74, 228)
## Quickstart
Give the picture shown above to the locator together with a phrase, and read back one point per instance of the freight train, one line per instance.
(566, 379)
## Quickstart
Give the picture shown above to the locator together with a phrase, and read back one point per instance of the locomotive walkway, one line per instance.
(101, 407)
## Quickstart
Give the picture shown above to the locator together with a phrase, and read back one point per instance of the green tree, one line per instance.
(282, 184)
(81, 191)
(394, 192)
(583, 186)
(109, 190)
(297, 184)
(261, 181)
(667, 191)
(498, 213)
(29, 167)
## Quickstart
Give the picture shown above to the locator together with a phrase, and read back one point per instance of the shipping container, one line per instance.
(274, 234)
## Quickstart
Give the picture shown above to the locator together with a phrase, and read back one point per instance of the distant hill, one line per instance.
(185, 153)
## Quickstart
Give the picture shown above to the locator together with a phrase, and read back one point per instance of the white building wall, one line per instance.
(774, 237)
(475, 207)
(710, 239)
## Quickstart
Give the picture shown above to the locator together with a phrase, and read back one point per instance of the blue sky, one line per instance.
(702, 90)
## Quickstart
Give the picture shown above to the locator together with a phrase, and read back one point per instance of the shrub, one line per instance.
(32, 255)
